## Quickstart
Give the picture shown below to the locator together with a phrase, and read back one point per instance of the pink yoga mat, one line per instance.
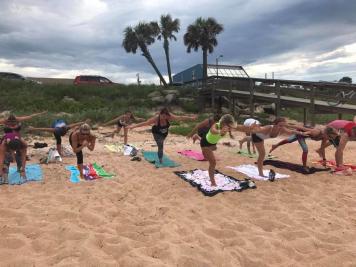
(192, 154)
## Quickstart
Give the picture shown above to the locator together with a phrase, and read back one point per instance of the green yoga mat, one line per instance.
(152, 157)
(245, 153)
(101, 172)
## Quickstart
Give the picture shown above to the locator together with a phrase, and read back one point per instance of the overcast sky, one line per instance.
(295, 39)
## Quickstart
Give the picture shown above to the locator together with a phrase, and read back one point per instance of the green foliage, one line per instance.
(297, 114)
(80, 102)
(181, 130)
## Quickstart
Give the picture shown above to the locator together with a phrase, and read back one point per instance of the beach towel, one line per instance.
(200, 179)
(90, 172)
(332, 164)
(293, 167)
(252, 172)
(118, 148)
(245, 153)
(152, 157)
(33, 173)
(192, 154)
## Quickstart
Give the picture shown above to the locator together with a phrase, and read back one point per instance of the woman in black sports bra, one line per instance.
(122, 122)
(160, 127)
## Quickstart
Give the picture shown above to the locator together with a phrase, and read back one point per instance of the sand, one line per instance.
(150, 217)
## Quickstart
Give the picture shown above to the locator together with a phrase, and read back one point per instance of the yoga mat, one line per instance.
(200, 179)
(33, 173)
(252, 172)
(245, 153)
(332, 164)
(293, 167)
(90, 171)
(74, 174)
(115, 148)
(152, 157)
(101, 172)
(196, 155)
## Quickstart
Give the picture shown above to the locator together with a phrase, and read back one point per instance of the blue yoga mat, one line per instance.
(74, 174)
(151, 156)
(33, 173)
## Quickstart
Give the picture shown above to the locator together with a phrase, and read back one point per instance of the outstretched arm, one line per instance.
(25, 118)
(50, 130)
(183, 118)
(112, 121)
(70, 126)
(286, 131)
(145, 123)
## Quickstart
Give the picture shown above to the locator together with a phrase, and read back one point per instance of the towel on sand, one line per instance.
(192, 154)
(332, 164)
(252, 172)
(33, 173)
(90, 172)
(152, 157)
(118, 148)
(293, 167)
(245, 153)
(200, 179)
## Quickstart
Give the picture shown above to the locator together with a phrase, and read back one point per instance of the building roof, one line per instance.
(226, 71)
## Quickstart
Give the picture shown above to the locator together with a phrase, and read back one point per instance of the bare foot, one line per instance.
(240, 142)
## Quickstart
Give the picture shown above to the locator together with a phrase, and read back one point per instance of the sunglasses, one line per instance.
(84, 133)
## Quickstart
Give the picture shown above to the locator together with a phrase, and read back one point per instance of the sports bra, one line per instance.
(159, 129)
(214, 138)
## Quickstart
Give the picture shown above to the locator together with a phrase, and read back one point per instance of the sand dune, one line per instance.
(150, 217)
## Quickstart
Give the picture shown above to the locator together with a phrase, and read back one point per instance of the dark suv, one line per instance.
(92, 79)
(11, 76)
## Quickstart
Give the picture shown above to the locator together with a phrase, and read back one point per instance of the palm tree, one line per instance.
(202, 33)
(141, 36)
(167, 28)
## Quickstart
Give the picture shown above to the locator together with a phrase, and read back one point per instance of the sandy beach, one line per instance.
(150, 217)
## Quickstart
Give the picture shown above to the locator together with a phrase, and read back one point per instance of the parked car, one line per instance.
(11, 76)
(92, 79)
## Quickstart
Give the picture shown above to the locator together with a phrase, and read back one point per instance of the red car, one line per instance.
(92, 79)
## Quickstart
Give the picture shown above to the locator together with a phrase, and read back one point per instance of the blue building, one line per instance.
(195, 73)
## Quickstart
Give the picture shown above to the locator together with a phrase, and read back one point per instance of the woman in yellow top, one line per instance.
(211, 138)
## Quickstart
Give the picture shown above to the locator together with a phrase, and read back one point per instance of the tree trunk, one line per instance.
(166, 51)
(147, 55)
(205, 66)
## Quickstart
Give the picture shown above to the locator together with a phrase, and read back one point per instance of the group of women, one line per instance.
(208, 132)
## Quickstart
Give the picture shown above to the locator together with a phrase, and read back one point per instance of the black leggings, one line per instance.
(159, 138)
(58, 138)
(78, 154)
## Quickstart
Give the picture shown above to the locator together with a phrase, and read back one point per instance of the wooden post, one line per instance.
(252, 104)
(213, 95)
(233, 105)
(305, 114)
(340, 116)
(312, 106)
(230, 98)
(278, 104)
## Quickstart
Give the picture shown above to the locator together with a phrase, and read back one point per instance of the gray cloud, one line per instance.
(79, 35)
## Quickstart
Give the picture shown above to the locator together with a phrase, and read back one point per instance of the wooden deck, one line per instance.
(289, 101)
